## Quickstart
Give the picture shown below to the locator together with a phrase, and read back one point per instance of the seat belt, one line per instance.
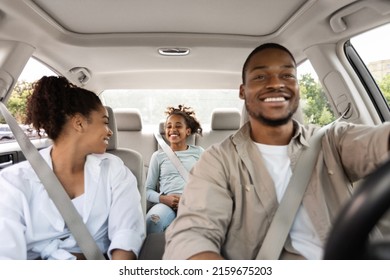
(172, 156)
(55, 190)
(285, 214)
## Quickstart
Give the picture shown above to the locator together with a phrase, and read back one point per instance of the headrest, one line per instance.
(161, 127)
(128, 119)
(112, 143)
(225, 119)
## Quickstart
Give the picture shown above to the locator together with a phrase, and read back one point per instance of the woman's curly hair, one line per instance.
(53, 100)
(189, 116)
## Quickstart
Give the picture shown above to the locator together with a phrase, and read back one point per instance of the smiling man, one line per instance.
(271, 94)
(235, 188)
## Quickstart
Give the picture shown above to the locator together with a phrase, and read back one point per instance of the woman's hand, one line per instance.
(171, 200)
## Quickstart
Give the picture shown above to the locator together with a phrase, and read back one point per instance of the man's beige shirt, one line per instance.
(230, 200)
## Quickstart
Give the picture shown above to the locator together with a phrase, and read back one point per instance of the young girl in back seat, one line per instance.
(179, 125)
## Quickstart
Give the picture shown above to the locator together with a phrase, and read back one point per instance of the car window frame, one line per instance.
(368, 81)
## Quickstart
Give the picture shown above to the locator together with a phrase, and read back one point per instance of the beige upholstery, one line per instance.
(153, 247)
(224, 122)
(131, 158)
(128, 119)
(132, 136)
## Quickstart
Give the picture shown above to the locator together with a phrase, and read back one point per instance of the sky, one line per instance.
(34, 70)
(377, 49)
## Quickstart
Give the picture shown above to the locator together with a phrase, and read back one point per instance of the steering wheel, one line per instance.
(348, 238)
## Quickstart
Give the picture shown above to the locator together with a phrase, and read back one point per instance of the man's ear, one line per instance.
(242, 92)
(188, 131)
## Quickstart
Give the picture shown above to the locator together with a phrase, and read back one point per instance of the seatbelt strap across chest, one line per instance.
(172, 156)
(285, 214)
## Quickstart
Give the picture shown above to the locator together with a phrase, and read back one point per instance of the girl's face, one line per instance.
(176, 130)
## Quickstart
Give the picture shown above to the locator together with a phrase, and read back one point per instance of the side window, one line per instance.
(375, 53)
(16, 104)
(315, 106)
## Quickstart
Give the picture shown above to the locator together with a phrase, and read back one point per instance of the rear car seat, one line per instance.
(131, 158)
(224, 122)
(132, 136)
(153, 247)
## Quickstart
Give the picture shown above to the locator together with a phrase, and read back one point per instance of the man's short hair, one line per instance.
(261, 48)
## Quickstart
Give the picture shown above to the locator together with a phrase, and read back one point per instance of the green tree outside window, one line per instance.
(315, 106)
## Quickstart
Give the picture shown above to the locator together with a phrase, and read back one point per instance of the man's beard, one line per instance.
(271, 122)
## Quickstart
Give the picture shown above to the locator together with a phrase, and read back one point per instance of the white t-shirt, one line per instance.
(303, 236)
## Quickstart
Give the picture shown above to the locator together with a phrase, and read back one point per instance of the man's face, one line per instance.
(270, 89)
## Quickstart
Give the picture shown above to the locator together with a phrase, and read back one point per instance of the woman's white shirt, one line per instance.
(31, 226)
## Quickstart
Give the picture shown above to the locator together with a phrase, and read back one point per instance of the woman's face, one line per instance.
(97, 133)
(176, 129)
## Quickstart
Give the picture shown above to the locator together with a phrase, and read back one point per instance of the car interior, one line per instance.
(141, 56)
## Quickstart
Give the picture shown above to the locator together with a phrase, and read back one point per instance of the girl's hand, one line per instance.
(171, 200)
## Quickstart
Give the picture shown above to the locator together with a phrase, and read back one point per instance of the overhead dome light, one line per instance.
(174, 51)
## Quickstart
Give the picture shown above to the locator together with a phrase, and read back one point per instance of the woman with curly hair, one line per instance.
(102, 189)
(179, 125)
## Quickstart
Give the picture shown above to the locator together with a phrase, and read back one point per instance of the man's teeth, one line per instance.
(274, 99)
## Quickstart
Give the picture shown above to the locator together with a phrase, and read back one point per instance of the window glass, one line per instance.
(16, 104)
(375, 53)
(153, 103)
(315, 106)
